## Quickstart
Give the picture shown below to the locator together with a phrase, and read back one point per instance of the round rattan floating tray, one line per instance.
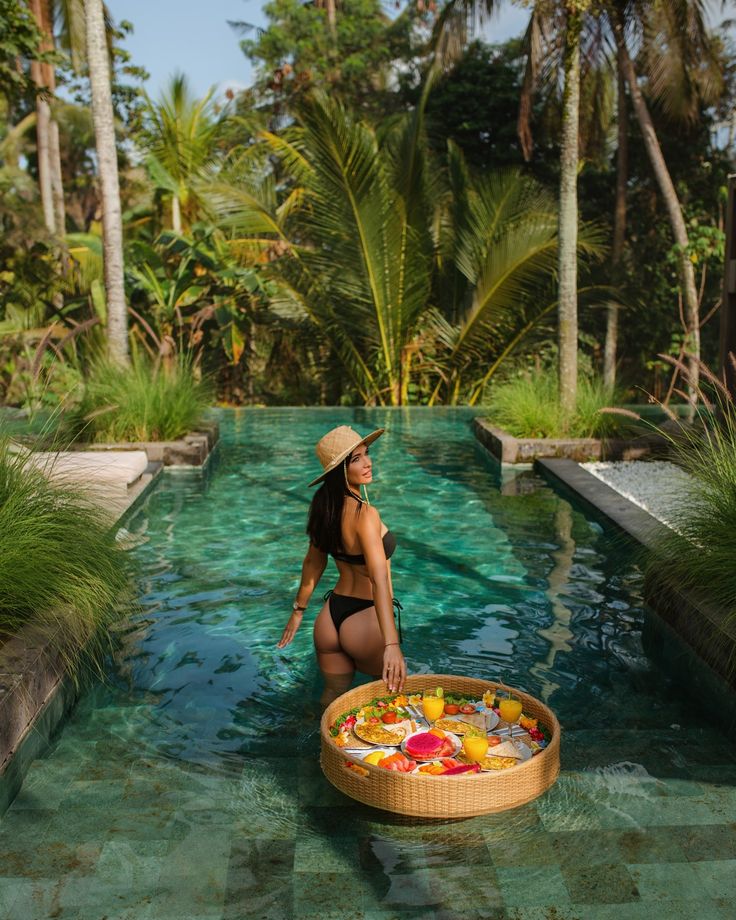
(441, 796)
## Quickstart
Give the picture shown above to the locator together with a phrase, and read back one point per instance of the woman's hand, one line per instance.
(394, 668)
(290, 630)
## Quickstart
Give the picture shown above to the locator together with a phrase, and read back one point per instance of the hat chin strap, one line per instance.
(358, 498)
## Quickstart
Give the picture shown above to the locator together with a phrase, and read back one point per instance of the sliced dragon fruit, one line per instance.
(463, 768)
(424, 745)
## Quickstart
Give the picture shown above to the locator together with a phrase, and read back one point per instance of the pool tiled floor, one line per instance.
(199, 844)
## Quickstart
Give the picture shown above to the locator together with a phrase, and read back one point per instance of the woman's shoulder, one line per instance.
(369, 519)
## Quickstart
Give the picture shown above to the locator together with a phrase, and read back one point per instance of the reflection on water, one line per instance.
(558, 632)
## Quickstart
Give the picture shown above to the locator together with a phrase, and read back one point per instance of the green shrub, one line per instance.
(142, 402)
(528, 406)
(61, 570)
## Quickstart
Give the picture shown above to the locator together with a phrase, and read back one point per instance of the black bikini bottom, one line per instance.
(344, 605)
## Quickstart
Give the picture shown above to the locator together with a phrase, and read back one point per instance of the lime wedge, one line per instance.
(439, 692)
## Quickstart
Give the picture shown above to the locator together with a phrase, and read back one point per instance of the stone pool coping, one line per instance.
(35, 691)
(707, 630)
(508, 449)
(192, 451)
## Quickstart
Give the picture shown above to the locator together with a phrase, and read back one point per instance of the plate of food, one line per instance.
(379, 734)
(430, 745)
(502, 756)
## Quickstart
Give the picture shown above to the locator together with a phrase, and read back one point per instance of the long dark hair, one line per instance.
(324, 524)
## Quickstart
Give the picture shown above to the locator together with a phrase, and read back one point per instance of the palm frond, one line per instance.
(679, 56)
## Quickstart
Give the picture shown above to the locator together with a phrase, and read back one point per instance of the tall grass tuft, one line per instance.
(61, 571)
(704, 560)
(528, 406)
(143, 402)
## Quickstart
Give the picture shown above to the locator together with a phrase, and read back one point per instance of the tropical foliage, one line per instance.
(361, 225)
(421, 278)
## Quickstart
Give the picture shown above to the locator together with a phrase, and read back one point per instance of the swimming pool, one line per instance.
(188, 785)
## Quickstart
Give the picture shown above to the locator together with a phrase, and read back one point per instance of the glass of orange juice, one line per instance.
(475, 747)
(433, 706)
(510, 709)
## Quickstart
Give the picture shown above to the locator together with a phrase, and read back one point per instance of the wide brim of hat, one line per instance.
(368, 439)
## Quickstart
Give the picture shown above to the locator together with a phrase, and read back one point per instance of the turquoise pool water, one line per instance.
(188, 785)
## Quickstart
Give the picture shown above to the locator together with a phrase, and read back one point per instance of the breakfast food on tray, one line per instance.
(453, 725)
(424, 745)
(507, 749)
(430, 745)
(377, 733)
(498, 763)
(397, 720)
(448, 766)
(397, 763)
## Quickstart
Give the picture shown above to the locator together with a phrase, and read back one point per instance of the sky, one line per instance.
(194, 36)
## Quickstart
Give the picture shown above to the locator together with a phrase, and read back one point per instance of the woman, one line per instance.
(355, 629)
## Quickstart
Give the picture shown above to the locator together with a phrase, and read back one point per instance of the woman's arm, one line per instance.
(312, 568)
(369, 535)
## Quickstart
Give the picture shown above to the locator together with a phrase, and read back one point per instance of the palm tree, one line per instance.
(112, 225)
(47, 130)
(366, 275)
(180, 134)
(619, 225)
(330, 6)
(681, 70)
(573, 11)
(418, 277)
(548, 21)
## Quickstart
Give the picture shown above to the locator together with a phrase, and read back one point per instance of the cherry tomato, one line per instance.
(493, 740)
(467, 709)
(451, 709)
(389, 717)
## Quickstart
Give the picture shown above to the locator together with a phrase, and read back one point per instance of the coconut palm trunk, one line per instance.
(674, 212)
(568, 216)
(619, 227)
(43, 120)
(47, 130)
(112, 224)
(332, 19)
(176, 214)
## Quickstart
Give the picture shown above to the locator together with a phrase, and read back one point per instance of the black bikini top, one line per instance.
(389, 545)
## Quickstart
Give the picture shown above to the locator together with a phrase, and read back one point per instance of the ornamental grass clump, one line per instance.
(143, 402)
(62, 574)
(528, 406)
(700, 556)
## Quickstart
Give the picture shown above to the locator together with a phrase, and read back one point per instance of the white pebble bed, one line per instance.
(657, 486)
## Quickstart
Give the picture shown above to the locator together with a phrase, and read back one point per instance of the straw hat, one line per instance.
(337, 445)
